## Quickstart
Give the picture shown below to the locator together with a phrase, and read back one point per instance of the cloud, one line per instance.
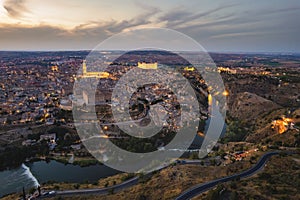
(180, 16)
(240, 34)
(151, 9)
(83, 36)
(15, 8)
(221, 28)
(43, 37)
(271, 12)
(113, 26)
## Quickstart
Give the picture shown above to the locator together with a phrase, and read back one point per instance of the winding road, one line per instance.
(196, 190)
(106, 190)
(188, 194)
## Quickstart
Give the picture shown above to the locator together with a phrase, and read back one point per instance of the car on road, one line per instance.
(49, 194)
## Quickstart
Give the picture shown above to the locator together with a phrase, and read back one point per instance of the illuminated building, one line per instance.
(54, 68)
(210, 100)
(84, 67)
(189, 69)
(281, 125)
(227, 70)
(144, 65)
(86, 74)
(225, 93)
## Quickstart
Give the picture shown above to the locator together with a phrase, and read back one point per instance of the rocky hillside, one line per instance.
(279, 128)
(248, 106)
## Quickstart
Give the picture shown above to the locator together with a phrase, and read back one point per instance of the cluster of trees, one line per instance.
(235, 131)
(143, 145)
(14, 156)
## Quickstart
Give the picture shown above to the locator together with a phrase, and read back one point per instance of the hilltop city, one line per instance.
(38, 96)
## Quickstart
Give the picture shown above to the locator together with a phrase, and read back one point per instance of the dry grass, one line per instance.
(170, 182)
(280, 179)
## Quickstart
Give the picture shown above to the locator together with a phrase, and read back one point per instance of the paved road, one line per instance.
(127, 184)
(186, 195)
(106, 190)
(115, 188)
(194, 191)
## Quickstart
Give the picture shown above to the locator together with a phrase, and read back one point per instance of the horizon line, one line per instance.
(218, 52)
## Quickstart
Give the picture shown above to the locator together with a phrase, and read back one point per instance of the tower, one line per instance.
(84, 67)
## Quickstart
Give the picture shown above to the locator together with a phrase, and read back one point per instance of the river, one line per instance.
(32, 174)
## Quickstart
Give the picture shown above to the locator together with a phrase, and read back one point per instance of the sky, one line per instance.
(219, 25)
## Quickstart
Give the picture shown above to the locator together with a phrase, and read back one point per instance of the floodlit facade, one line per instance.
(86, 74)
(144, 65)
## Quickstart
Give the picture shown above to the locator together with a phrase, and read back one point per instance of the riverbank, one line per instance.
(183, 176)
(101, 183)
(80, 161)
(40, 172)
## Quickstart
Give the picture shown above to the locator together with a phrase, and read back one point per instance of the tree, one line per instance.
(24, 194)
(111, 191)
(106, 184)
(233, 196)
(213, 195)
(194, 155)
(77, 186)
(32, 190)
